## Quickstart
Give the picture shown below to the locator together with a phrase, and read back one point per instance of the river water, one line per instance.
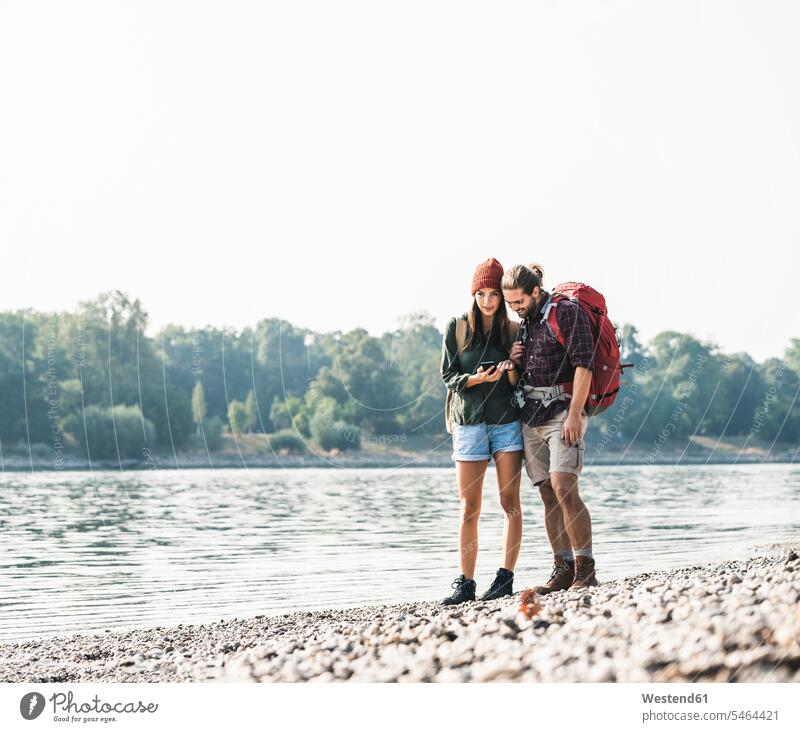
(82, 552)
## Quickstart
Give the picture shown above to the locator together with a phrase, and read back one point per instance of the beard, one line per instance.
(532, 309)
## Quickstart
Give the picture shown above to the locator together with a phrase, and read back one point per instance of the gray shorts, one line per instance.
(546, 452)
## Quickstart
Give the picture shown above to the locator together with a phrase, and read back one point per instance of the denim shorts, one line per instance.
(481, 441)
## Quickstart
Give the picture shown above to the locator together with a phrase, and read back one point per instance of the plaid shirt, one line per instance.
(547, 362)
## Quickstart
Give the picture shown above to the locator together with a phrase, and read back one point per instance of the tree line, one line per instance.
(92, 382)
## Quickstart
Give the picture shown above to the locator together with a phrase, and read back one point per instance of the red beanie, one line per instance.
(488, 275)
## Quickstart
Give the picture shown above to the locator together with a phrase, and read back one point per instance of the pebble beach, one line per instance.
(735, 621)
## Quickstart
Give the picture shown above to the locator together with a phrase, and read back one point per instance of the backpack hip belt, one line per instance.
(547, 394)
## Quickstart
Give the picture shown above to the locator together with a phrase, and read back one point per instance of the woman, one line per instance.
(477, 370)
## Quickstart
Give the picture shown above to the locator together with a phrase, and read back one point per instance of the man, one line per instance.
(553, 424)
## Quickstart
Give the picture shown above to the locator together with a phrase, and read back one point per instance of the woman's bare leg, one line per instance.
(508, 466)
(469, 474)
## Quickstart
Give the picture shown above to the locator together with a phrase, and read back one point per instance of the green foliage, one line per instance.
(329, 433)
(792, 355)
(287, 439)
(363, 382)
(173, 419)
(414, 350)
(105, 433)
(237, 417)
(251, 412)
(199, 408)
(289, 412)
(69, 396)
(59, 368)
(212, 431)
(777, 412)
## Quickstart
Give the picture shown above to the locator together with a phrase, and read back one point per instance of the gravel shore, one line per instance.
(736, 621)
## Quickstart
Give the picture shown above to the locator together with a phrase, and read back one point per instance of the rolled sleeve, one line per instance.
(576, 328)
(451, 366)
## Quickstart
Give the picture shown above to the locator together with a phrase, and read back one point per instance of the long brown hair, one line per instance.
(476, 337)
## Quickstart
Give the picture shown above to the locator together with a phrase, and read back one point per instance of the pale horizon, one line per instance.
(341, 167)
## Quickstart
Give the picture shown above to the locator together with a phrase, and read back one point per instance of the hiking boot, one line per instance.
(561, 578)
(464, 591)
(501, 587)
(584, 573)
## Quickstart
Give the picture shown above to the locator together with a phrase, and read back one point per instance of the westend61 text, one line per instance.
(673, 699)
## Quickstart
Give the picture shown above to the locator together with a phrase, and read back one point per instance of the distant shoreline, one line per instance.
(252, 451)
(353, 460)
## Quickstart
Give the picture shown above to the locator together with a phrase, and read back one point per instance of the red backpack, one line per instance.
(607, 367)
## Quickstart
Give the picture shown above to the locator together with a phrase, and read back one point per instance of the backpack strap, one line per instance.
(461, 335)
(461, 340)
(549, 317)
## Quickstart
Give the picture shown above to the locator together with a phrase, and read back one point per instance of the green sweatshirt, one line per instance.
(490, 402)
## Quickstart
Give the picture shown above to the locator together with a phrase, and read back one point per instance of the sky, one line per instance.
(344, 164)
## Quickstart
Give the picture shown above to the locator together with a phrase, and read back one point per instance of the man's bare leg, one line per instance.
(564, 567)
(554, 519)
(578, 524)
(576, 520)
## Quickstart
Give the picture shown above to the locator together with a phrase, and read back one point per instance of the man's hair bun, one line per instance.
(537, 269)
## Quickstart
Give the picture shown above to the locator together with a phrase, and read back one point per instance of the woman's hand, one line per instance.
(493, 373)
(484, 377)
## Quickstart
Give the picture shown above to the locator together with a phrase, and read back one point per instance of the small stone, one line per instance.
(734, 579)
(509, 622)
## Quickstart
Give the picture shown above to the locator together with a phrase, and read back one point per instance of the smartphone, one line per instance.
(487, 364)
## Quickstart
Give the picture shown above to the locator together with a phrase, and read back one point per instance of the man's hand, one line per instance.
(517, 353)
(572, 429)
